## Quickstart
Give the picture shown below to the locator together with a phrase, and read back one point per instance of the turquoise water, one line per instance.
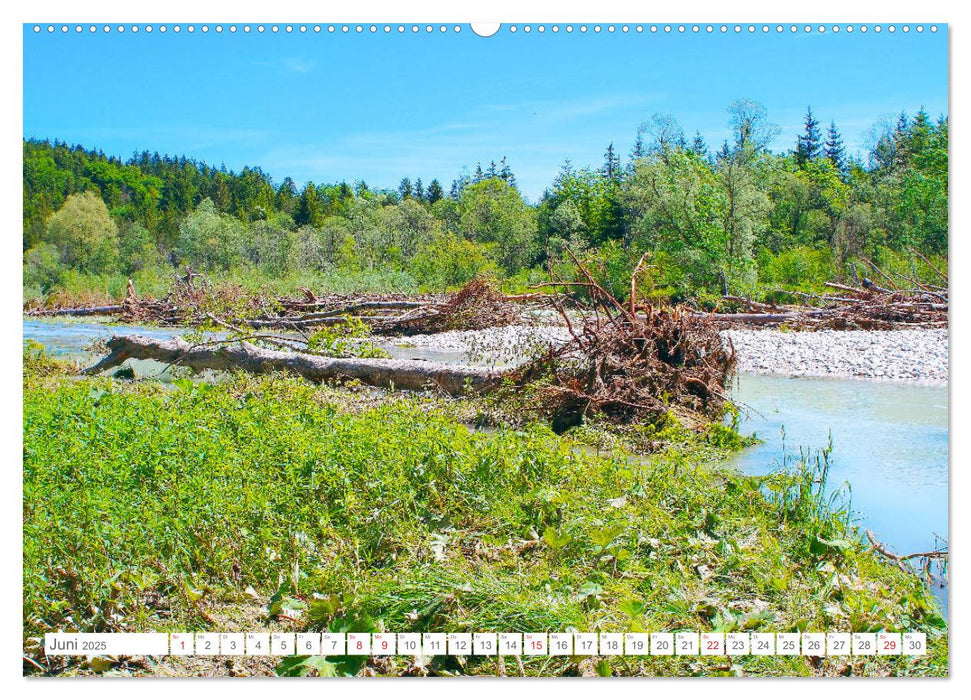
(890, 443)
(69, 338)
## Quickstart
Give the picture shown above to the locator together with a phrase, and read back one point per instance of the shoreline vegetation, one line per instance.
(274, 503)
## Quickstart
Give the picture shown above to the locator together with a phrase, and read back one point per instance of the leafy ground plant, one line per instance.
(260, 503)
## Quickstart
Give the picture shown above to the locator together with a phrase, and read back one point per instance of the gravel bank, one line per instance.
(911, 355)
(497, 347)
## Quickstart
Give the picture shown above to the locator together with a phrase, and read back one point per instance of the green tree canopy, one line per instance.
(493, 212)
(85, 233)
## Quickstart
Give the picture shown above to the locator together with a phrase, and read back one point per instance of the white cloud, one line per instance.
(298, 65)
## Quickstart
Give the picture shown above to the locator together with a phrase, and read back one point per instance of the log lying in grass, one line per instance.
(414, 375)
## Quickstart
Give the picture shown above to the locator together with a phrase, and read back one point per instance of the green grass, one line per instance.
(163, 507)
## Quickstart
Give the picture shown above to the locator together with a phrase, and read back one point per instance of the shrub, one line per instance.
(799, 267)
(450, 261)
(43, 267)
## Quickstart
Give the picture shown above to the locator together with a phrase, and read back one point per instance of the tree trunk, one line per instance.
(415, 375)
(81, 311)
(760, 319)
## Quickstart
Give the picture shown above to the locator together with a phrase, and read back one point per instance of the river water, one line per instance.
(890, 444)
(890, 439)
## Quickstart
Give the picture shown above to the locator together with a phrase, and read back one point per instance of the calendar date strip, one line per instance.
(487, 644)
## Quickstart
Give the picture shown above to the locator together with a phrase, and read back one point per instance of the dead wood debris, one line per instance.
(477, 306)
(939, 555)
(897, 301)
(629, 362)
(625, 362)
(192, 301)
(242, 355)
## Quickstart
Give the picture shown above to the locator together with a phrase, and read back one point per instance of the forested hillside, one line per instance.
(728, 218)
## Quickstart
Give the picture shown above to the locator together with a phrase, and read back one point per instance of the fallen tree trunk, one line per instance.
(414, 375)
(758, 319)
(313, 320)
(80, 311)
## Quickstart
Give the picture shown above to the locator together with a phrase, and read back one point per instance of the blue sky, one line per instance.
(332, 107)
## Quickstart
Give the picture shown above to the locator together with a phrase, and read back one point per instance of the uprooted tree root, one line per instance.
(628, 365)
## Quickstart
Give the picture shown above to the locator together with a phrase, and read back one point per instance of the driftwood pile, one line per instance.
(474, 307)
(855, 308)
(626, 362)
(193, 301)
(894, 301)
(622, 362)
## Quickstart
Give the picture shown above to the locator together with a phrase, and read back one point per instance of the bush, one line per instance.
(450, 261)
(209, 240)
(43, 267)
(271, 247)
(801, 267)
(136, 248)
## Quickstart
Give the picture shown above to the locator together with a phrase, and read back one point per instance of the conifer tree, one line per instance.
(286, 194)
(637, 152)
(404, 189)
(808, 145)
(833, 149)
(611, 168)
(724, 152)
(901, 134)
(918, 133)
(310, 207)
(699, 147)
(434, 192)
(419, 190)
(505, 172)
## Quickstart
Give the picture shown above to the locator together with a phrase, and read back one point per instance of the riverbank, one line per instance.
(919, 355)
(397, 518)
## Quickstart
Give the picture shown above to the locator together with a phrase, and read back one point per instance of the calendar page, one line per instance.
(543, 349)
